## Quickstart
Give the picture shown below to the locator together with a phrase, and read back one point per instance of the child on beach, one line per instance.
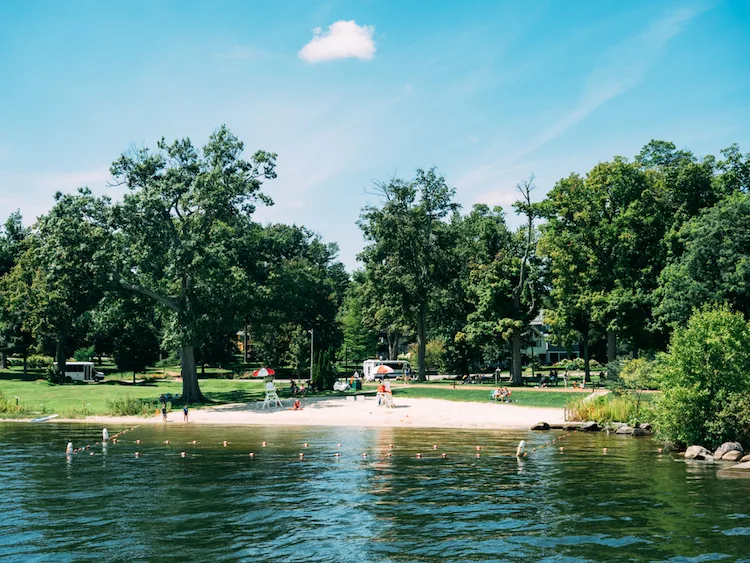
(185, 414)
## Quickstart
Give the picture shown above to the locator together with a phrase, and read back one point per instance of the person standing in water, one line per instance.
(185, 414)
(164, 412)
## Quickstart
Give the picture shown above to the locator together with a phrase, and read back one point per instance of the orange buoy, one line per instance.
(604, 450)
(194, 442)
(562, 449)
(478, 448)
(137, 454)
(166, 441)
(434, 447)
(388, 454)
(137, 441)
(264, 444)
(338, 445)
(304, 445)
(443, 455)
(364, 455)
(479, 455)
(659, 450)
(251, 454)
(390, 446)
(225, 443)
(183, 454)
(419, 456)
(337, 454)
(302, 456)
(92, 453)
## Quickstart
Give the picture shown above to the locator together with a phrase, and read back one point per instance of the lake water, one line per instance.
(218, 504)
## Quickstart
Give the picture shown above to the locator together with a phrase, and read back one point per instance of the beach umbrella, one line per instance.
(263, 372)
(384, 369)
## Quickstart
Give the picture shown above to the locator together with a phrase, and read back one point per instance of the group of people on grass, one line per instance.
(501, 394)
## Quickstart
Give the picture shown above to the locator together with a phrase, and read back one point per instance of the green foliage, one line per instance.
(714, 265)
(642, 373)
(607, 408)
(84, 354)
(408, 247)
(130, 406)
(38, 362)
(324, 372)
(8, 407)
(434, 357)
(705, 380)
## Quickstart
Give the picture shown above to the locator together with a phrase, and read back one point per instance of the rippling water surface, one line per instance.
(218, 504)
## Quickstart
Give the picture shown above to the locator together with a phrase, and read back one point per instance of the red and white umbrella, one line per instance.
(384, 369)
(263, 372)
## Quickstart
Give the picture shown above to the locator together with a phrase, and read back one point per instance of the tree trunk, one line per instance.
(60, 357)
(3, 360)
(25, 362)
(515, 362)
(421, 340)
(245, 350)
(394, 337)
(611, 346)
(191, 392)
(586, 359)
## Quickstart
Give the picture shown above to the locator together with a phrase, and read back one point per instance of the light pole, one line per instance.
(312, 339)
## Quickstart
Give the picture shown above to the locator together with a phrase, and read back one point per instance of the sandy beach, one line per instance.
(415, 413)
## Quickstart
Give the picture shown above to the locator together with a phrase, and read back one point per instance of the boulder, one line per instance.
(590, 427)
(746, 458)
(645, 426)
(540, 426)
(640, 432)
(698, 452)
(625, 429)
(734, 455)
(727, 447)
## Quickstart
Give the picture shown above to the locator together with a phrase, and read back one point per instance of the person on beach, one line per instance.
(185, 414)
(297, 405)
(164, 412)
(381, 392)
(293, 387)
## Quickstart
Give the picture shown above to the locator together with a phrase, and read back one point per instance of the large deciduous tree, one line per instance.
(408, 246)
(183, 226)
(66, 267)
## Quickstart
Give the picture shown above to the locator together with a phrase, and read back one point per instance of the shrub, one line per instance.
(84, 354)
(129, 406)
(705, 380)
(172, 360)
(608, 408)
(38, 362)
(642, 373)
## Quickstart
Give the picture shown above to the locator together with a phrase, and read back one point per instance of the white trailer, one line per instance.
(82, 371)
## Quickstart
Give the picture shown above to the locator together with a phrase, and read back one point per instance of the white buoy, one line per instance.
(105, 434)
(69, 448)
(521, 448)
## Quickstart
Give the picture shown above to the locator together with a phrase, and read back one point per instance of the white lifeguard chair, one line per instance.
(272, 396)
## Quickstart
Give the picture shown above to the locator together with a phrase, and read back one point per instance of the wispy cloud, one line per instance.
(343, 40)
(621, 68)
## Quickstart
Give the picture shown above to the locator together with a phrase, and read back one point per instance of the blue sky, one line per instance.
(488, 92)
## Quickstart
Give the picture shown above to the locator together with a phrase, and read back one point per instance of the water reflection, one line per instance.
(217, 503)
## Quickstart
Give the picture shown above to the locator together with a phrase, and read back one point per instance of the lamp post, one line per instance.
(312, 339)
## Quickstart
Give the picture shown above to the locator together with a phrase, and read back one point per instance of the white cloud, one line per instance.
(343, 40)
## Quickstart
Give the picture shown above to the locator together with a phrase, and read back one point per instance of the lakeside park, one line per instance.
(368, 282)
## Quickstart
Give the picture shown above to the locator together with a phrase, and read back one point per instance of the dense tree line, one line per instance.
(616, 259)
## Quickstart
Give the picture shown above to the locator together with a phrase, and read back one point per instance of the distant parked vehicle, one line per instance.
(82, 371)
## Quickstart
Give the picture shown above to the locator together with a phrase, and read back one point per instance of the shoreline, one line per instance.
(407, 413)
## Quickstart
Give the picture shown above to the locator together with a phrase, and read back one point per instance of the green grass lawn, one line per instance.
(37, 397)
(481, 393)
(76, 400)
